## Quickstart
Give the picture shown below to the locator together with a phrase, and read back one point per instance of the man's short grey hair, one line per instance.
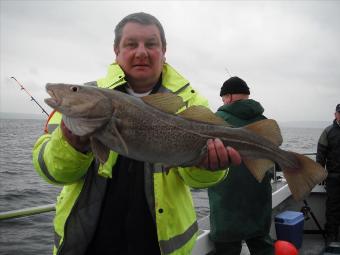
(140, 18)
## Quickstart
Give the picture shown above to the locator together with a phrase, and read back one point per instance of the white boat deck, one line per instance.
(313, 244)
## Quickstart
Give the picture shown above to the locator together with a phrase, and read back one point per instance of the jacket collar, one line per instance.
(171, 79)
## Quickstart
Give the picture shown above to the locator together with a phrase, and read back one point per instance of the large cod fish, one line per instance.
(148, 129)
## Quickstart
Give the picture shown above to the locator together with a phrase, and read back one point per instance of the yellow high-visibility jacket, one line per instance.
(83, 179)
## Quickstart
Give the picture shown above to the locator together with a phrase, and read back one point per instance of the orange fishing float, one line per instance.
(285, 248)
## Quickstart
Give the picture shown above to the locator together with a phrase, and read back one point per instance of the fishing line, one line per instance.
(28, 93)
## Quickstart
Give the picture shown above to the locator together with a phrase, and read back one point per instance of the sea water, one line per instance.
(21, 187)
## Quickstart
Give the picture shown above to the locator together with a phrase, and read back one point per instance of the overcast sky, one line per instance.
(287, 51)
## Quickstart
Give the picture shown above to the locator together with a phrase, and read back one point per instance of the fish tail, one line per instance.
(303, 175)
(258, 167)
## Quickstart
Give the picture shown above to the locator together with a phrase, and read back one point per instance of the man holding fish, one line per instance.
(111, 203)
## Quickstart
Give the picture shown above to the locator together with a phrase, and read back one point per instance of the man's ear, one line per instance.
(116, 50)
(164, 58)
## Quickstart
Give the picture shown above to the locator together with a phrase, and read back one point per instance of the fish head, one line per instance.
(85, 109)
(78, 101)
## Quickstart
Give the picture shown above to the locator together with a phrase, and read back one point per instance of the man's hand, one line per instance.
(80, 143)
(219, 157)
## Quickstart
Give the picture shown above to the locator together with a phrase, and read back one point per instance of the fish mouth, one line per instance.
(54, 101)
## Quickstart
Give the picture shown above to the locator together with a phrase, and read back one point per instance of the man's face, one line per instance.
(337, 116)
(226, 99)
(140, 54)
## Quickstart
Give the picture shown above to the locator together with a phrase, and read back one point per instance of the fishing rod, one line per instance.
(28, 93)
(227, 71)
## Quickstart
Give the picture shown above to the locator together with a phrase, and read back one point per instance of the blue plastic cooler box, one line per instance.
(289, 227)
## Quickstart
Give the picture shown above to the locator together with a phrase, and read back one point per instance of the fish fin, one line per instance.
(267, 128)
(100, 151)
(202, 114)
(198, 160)
(258, 167)
(301, 180)
(113, 124)
(166, 102)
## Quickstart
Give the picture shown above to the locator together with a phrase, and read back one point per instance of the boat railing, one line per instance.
(26, 212)
(51, 207)
(276, 167)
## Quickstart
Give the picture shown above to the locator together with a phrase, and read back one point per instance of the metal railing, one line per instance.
(26, 212)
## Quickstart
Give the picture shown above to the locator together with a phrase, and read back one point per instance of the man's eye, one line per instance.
(130, 45)
(151, 44)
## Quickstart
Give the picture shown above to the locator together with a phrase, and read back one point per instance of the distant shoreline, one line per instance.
(305, 124)
(295, 124)
(23, 116)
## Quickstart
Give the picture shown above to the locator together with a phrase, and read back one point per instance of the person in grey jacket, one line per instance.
(328, 155)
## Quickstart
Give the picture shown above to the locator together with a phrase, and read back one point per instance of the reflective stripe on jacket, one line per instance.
(84, 179)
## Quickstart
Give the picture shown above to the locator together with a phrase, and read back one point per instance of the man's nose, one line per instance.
(141, 50)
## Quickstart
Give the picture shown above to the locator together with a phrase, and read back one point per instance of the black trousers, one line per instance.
(261, 245)
(333, 207)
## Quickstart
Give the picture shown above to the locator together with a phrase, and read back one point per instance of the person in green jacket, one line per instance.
(240, 206)
(125, 206)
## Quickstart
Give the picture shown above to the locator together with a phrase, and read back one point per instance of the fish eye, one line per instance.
(74, 89)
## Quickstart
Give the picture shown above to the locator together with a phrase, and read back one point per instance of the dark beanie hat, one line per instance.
(234, 85)
(337, 108)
